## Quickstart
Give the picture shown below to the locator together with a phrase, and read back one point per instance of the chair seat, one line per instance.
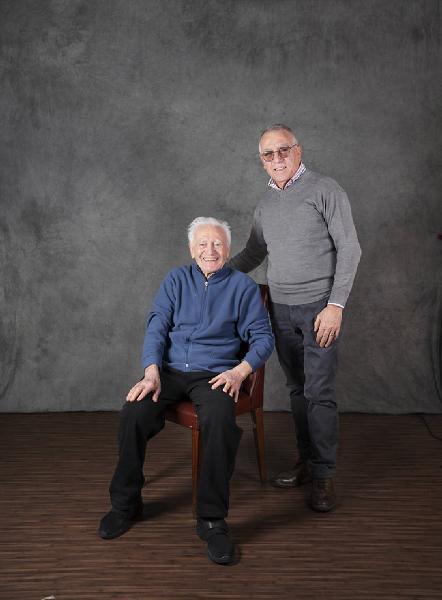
(184, 413)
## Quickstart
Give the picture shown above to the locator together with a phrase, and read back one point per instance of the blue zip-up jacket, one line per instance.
(198, 324)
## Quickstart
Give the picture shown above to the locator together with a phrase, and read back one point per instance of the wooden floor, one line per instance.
(383, 542)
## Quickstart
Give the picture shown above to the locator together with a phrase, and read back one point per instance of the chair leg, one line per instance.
(258, 434)
(196, 460)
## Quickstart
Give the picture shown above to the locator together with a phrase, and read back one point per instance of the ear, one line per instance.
(192, 254)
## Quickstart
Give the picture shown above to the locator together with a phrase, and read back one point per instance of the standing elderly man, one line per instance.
(201, 315)
(304, 225)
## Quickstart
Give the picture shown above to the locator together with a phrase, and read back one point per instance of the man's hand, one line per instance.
(150, 383)
(328, 325)
(232, 379)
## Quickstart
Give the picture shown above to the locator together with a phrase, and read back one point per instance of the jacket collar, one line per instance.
(217, 276)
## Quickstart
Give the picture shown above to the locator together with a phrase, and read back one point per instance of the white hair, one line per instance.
(277, 127)
(199, 221)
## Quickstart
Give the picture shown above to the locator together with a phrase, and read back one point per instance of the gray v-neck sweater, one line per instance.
(307, 230)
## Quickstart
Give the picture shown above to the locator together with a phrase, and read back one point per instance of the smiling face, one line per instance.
(209, 248)
(280, 169)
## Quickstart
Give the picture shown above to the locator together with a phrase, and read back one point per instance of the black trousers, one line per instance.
(310, 371)
(140, 421)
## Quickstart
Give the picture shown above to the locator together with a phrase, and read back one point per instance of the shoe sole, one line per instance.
(116, 533)
(122, 530)
(222, 560)
(289, 485)
(320, 509)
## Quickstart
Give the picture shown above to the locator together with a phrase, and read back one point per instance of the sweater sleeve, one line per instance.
(254, 328)
(255, 250)
(159, 322)
(337, 214)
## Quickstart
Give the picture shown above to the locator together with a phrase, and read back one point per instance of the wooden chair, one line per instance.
(250, 400)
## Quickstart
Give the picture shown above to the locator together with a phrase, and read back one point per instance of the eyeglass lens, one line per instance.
(283, 152)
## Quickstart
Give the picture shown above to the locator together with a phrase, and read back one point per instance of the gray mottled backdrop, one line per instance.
(122, 120)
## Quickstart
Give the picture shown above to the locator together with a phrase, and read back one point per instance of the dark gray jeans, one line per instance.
(310, 372)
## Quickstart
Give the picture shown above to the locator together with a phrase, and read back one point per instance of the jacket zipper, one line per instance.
(203, 306)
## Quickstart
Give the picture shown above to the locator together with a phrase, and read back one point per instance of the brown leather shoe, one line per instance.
(322, 496)
(297, 476)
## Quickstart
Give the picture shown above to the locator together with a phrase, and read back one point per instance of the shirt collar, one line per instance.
(291, 181)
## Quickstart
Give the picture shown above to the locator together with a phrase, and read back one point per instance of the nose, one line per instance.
(212, 248)
(277, 157)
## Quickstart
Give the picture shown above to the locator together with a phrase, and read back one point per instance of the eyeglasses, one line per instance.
(282, 152)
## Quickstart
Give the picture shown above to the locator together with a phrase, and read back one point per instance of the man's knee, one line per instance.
(145, 417)
(139, 411)
(218, 411)
(320, 389)
(320, 378)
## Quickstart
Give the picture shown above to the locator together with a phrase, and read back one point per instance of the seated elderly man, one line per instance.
(201, 314)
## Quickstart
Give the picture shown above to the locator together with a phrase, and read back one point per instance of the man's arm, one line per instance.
(254, 328)
(255, 250)
(157, 328)
(337, 214)
(159, 322)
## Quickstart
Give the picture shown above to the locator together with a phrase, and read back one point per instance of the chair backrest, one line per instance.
(264, 289)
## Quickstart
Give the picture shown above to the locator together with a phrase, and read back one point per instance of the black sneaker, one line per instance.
(216, 533)
(116, 522)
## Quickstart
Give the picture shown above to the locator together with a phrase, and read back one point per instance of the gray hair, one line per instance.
(277, 127)
(208, 221)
